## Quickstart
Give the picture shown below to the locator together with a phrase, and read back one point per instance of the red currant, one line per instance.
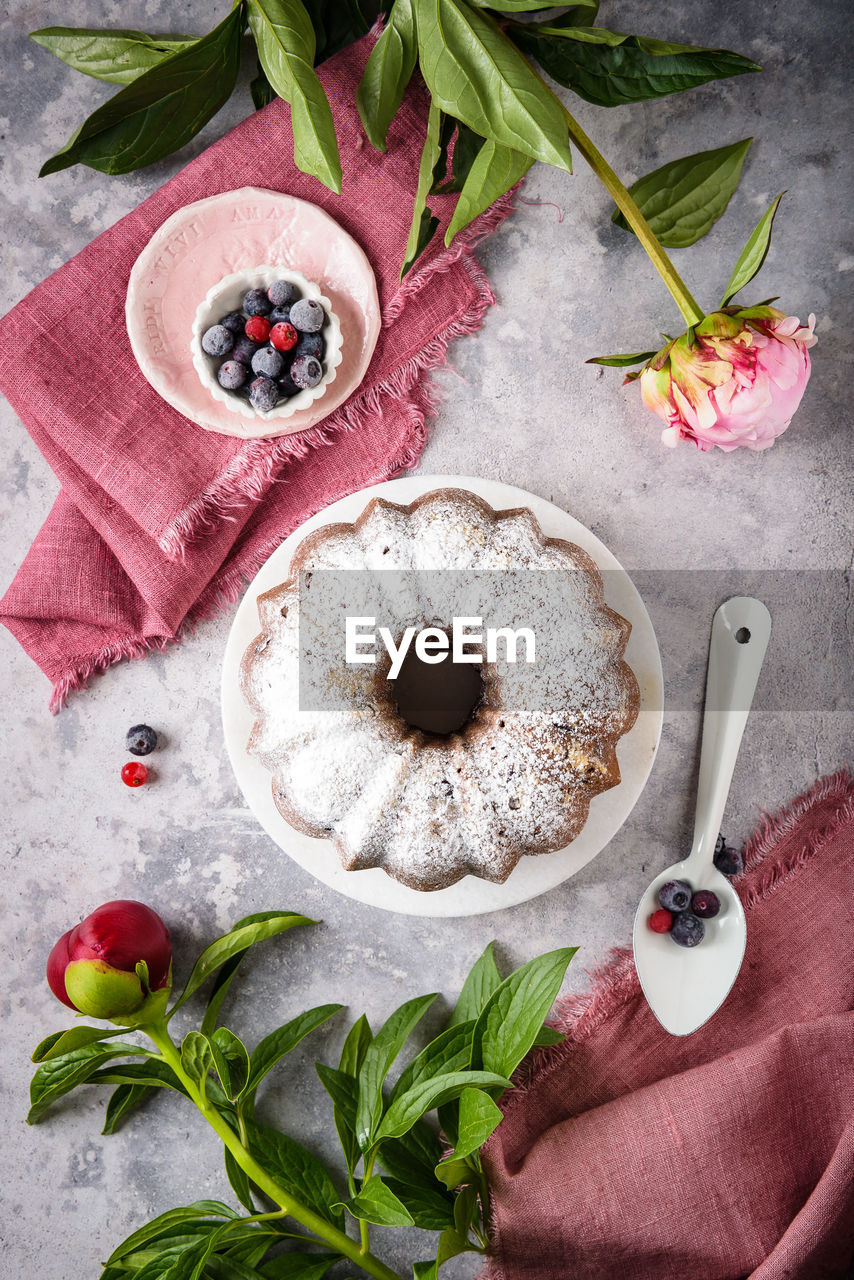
(661, 921)
(258, 328)
(283, 337)
(134, 774)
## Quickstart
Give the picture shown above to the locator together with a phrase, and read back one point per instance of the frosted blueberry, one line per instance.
(256, 303)
(231, 374)
(217, 341)
(280, 292)
(675, 895)
(244, 350)
(234, 322)
(307, 315)
(306, 371)
(688, 929)
(310, 344)
(263, 394)
(280, 315)
(267, 361)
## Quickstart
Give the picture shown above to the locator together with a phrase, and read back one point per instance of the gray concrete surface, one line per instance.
(520, 406)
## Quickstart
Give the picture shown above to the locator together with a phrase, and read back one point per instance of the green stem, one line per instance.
(364, 1232)
(688, 305)
(290, 1207)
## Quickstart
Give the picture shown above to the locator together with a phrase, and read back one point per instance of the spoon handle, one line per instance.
(741, 629)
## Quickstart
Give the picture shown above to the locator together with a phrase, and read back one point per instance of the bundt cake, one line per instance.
(361, 760)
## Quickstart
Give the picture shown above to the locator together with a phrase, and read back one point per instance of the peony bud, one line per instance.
(92, 968)
(736, 379)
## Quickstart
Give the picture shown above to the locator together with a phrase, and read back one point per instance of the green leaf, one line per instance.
(286, 43)
(344, 1092)
(298, 1266)
(411, 1106)
(355, 1045)
(450, 1051)
(231, 1062)
(238, 1181)
(150, 1072)
(124, 1099)
(296, 1169)
(280, 1042)
(62, 1042)
(412, 1157)
(609, 68)
(377, 1203)
(495, 170)
(753, 254)
(514, 1013)
(482, 980)
(379, 1056)
(197, 1058)
(465, 1210)
(423, 223)
(262, 91)
(467, 145)
(387, 73)
(618, 362)
(162, 110)
(683, 199)
(430, 1207)
(451, 1243)
(477, 75)
(117, 56)
(454, 1173)
(548, 1036)
(58, 1076)
(159, 1227)
(245, 934)
(479, 1117)
(336, 23)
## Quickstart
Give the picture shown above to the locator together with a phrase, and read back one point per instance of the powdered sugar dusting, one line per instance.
(519, 777)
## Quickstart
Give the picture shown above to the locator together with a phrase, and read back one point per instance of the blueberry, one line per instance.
(705, 904)
(675, 895)
(256, 303)
(309, 344)
(306, 371)
(234, 322)
(287, 386)
(307, 315)
(263, 394)
(217, 341)
(729, 861)
(244, 350)
(267, 361)
(688, 929)
(231, 374)
(140, 740)
(280, 315)
(280, 292)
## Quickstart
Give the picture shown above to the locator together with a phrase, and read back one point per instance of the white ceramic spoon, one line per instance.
(685, 986)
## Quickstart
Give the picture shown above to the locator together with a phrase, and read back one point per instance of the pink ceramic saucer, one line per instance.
(205, 241)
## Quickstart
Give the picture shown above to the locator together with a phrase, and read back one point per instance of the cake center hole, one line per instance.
(437, 697)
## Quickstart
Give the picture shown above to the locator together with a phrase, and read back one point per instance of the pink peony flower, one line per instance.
(92, 968)
(736, 381)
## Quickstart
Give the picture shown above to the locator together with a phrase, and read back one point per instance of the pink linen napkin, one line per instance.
(160, 522)
(634, 1154)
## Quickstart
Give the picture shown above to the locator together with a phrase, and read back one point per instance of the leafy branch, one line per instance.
(397, 1170)
(492, 113)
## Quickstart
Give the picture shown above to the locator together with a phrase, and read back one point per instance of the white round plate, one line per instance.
(204, 242)
(532, 875)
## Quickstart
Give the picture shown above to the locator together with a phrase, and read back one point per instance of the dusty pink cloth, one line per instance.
(159, 522)
(634, 1155)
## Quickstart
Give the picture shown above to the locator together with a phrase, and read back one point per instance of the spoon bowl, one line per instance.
(684, 986)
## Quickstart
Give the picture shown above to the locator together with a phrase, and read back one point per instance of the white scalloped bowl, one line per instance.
(227, 296)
